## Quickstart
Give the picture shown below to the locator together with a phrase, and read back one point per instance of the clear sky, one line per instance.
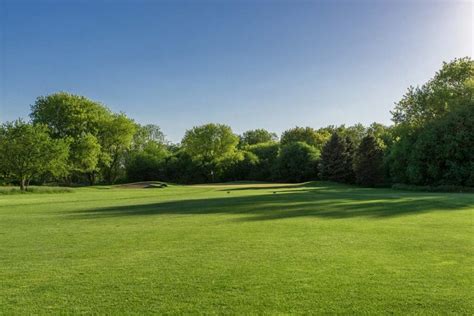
(249, 64)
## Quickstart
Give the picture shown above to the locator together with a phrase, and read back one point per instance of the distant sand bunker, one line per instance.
(143, 185)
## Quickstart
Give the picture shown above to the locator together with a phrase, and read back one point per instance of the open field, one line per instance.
(241, 248)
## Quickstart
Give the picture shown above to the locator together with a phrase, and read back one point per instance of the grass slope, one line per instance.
(246, 248)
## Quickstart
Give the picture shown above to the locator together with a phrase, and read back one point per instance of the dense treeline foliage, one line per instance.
(27, 151)
(368, 162)
(434, 131)
(72, 139)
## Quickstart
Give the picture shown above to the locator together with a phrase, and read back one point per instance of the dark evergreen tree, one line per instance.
(368, 162)
(336, 160)
(349, 160)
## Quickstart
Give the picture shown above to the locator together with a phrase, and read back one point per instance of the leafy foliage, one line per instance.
(210, 142)
(306, 135)
(210, 145)
(257, 136)
(27, 151)
(147, 164)
(241, 166)
(69, 115)
(267, 154)
(434, 129)
(429, 145)
(368, 162)
(446, 91)
(443, 152)
(99, 138)
(182, 168)
(298, 162)
(116, 138)
(86, 150)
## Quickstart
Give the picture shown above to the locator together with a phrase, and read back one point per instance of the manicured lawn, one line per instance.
(248, 248)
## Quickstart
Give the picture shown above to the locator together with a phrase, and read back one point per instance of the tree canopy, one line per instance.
(72, 139)
(306, 135)
(257, 136)
(448, 89)
(210, 142)
(27, 150)
(433, 133)
(70, 115)
(298, 162)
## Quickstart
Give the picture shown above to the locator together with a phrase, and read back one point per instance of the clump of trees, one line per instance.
(434, 131)
(28, 151)
(74, 140)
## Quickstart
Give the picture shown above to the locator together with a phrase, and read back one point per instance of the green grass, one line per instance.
(237, 249)
(33, 189)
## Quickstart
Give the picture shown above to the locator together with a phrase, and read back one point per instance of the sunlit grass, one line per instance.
(4, 190)
(237, 248)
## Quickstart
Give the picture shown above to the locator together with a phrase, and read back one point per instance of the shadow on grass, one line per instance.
(333, 202)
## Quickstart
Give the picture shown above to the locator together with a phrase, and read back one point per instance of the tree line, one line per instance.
(71, 139)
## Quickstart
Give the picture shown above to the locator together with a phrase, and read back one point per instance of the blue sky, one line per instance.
(249, 64)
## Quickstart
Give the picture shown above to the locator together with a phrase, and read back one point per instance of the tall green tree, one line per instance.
(240, 166)
(337, 159)
(298, 162)
(27, 151)
(369, 162)
(69, 115)
(115, 140)
(81, 121)
(146, 134)
(180, 167)
(447, 90)
(85, 156)
(424, 117)
(145, 160)
(147, 164)
(267, 154)
(443, 152)
(210, 144)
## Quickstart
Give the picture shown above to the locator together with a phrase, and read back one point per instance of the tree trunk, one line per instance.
(91, 177)
(22, 184)
(67, 180)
